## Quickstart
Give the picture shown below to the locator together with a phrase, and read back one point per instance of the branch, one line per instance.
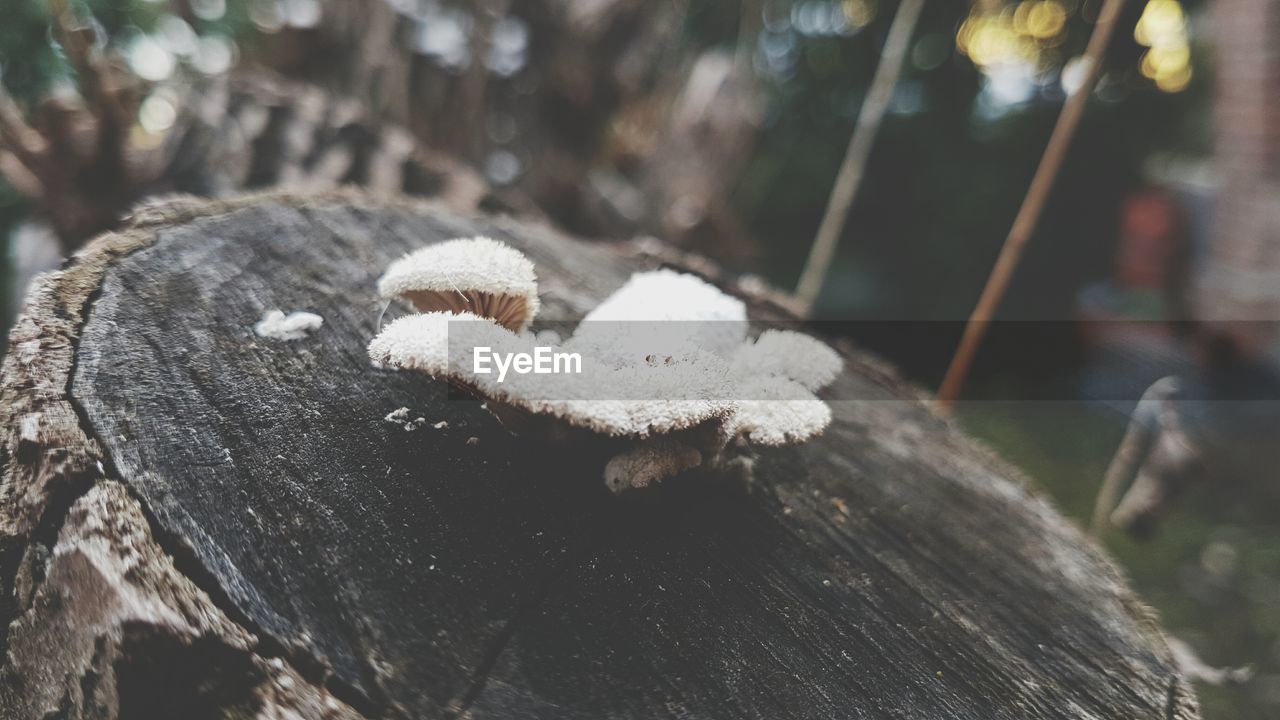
(74, 40)
(859, 150)
(20, 176)
(1124, 467)
(104, 101)
(16, 136)
(1029, 213)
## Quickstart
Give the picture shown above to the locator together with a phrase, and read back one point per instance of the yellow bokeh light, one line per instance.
(1020, 14)
(1169, 73)
(860, 13)
(1175, 81)
(990, 39)
(1046, 19)
(1169, 58)
(1163, 29)
(1032, 31)
(968, 28)
(992, 42)
(1147, 67)
(1013, 33)
(1162, 23)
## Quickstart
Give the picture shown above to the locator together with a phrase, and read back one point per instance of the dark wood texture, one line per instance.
(304, 553)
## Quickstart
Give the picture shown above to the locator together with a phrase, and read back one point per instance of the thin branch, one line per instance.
(1124, 467)
(750, 21)
(19, 176)
(74, 40)
(855, 159)
(1029, 213)
(103, 97)
(17, 136)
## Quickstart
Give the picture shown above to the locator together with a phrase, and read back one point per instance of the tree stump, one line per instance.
(199, 522)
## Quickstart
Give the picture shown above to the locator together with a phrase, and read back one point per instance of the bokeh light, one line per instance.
(1005, 40)
(1163, 29)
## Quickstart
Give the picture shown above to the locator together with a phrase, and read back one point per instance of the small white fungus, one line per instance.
(401, 417)
(294, 326)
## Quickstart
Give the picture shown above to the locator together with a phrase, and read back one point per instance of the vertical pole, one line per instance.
(855, 158)
(1029, 213)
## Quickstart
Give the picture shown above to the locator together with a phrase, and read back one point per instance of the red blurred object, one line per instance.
(1148, 284)
(1150, 240)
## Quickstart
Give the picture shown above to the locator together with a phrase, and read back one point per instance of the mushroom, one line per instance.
(804, 359)
(664, 311)
(775, 411)
(667, 367)
(610, 397)
(477, 275)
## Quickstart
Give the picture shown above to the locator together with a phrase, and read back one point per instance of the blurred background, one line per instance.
(720, 127)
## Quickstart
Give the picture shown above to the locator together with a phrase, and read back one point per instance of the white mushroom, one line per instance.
(626, 399)
(665, 312)
(421, 342)
(475, 275)
(665, 361)
(779, 411)
(793, 355)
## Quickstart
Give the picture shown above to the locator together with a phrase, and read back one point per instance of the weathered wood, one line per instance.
(246, 534)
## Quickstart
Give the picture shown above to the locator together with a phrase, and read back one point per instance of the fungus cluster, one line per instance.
(667, 374)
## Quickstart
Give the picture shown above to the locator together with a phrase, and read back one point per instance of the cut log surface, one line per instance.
(201, 522)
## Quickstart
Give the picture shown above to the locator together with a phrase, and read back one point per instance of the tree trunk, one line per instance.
(200, 522)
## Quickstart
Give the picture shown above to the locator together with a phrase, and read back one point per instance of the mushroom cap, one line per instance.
(804, 359)
(477, 275)
(421, 342)
(640, 398)
(780, 412)
(664, 311)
